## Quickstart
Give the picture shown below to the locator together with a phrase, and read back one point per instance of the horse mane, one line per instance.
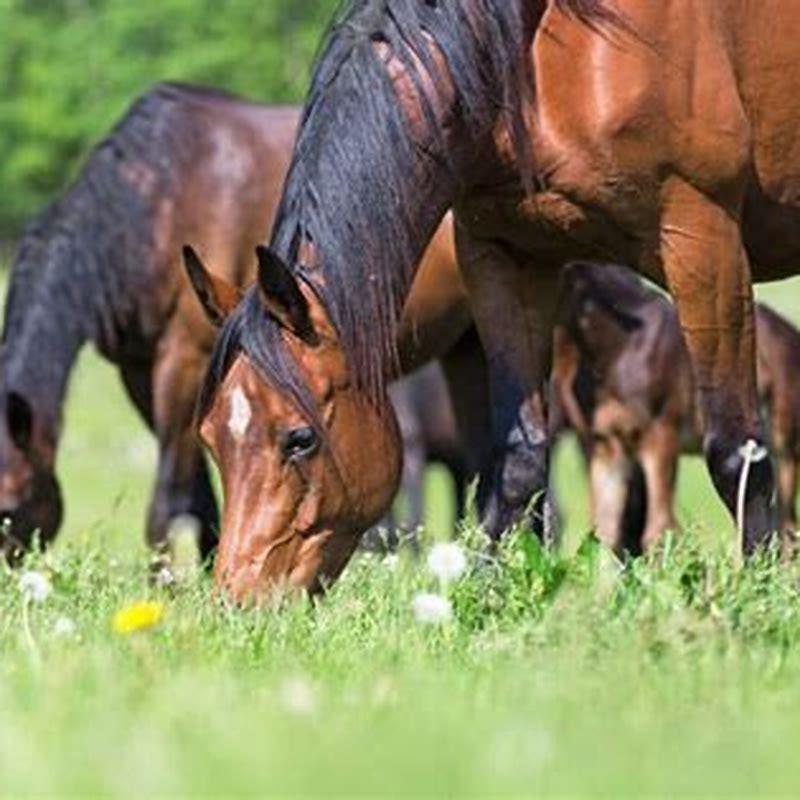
(78, 270)
(348, 194)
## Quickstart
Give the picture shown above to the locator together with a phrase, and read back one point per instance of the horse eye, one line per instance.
(300, 442)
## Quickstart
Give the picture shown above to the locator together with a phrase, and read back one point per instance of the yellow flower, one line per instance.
(138, 617)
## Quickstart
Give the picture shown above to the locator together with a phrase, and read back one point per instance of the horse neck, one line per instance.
(42, 336)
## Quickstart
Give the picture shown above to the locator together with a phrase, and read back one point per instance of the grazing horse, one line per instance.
(622, 380)
(102, 264)
(672, 145)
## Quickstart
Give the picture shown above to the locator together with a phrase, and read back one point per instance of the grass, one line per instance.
(558, 675)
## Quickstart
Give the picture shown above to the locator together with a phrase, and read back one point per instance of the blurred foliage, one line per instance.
(69, 68)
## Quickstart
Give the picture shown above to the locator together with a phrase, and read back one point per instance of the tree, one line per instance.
(71, 67)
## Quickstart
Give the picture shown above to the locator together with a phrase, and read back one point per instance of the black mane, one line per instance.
(350, 191)
(79, 269)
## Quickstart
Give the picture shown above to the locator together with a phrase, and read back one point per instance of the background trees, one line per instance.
(68, 69)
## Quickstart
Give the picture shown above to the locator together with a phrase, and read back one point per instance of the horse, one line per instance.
(623, 382)
(670, 147)
(102, 264)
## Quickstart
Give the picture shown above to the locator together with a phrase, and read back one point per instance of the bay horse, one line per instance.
(623, 383)
(671, 145)
(102, 264)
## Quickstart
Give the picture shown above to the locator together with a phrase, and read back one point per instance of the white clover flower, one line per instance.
(65, 628)
(298, 696)
(34, 586)
(447, 561)
(432, 609)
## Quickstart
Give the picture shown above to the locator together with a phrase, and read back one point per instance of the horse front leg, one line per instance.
(183, 484)
(513, 304)
(709, 276)
(658, 454)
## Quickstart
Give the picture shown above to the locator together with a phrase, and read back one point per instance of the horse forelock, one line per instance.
(251, 331)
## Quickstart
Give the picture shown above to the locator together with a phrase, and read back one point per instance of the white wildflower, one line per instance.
(34, 586)
(64, 628)
(753, 452)
(447, 561)
(432, 609)
(298, 696)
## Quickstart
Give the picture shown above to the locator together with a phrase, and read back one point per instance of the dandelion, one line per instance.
(447, 561)
(35, 586)
(138, 617)
(64, 628)
(298, 696)
(432, 609)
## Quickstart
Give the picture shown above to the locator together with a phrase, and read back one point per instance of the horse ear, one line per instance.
(281, 293)
(218, 297)
(19, 419)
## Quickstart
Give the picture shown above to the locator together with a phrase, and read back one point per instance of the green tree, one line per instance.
(70, 67)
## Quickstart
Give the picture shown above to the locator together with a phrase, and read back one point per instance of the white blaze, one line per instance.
(240, 413)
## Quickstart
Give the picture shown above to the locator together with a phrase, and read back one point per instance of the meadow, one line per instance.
(558, 675)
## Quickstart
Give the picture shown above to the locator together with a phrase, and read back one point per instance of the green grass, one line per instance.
(557, 676)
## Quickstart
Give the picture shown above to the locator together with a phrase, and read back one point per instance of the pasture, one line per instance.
(556, 675)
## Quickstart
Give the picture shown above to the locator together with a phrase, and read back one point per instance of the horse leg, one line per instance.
(415, 459)
(466, 374)
(659, 452)
(183, 485)
(709, 276)
(611, 481)
(513, 304)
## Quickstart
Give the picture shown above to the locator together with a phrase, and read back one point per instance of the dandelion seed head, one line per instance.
(432, 609)
(447, 561)
(35, 586)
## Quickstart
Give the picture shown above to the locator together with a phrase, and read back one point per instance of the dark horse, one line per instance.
(102, 264)
(624, 383)
(658, 134)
